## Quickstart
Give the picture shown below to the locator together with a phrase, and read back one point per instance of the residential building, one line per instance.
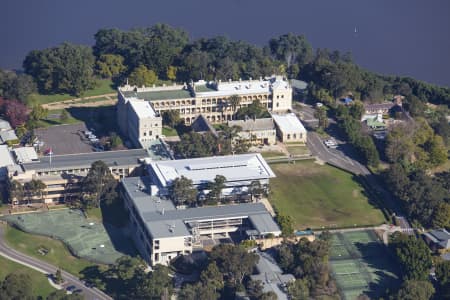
(161, 232)
(239, 171)
(4, 125)
(438, 240)
(256, 131)
(208, 98)
(289, 128)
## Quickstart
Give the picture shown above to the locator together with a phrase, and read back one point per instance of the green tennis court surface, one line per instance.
(361, 264)
(85, 238)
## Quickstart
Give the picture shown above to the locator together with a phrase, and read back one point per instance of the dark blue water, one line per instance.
(404, 37)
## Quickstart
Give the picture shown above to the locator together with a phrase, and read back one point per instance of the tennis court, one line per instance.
(361, 264)
(85, 238)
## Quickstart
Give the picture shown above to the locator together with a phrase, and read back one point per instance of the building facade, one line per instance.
(161, 232)
(289, 128)
(212, 99)
(256, 131)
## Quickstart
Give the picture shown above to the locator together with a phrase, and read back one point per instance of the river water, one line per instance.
(404, 37)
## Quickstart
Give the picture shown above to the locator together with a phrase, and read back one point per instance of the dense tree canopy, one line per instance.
(413, 255)
(63, 69)
(99, 185)
(16, 286)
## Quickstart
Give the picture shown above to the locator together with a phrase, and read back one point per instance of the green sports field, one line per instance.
(318, 196)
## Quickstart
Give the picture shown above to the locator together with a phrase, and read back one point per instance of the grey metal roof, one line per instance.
(120, 158)
(200, 170)
(167, 229)
(208, 212)
(4, 125)
(264, 223)
(253, 124)
(138, 188)
(201, 125)
(7, 135)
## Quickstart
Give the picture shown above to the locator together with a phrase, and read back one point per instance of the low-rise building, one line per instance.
(239, 171)
(289, 128)
(438, 240)
(8, 136)
(256, 131)
(62, 173)
(161, 232)
(6, 162)
(4, 125)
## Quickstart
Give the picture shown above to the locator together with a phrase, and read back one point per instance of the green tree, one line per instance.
(64, 116)
(212, 277)
(413, 256)
(141, 76)
(99, 185)
(321, 114)
(197, 291)
(171, 118)
(110, 65)
(234, 101)
(443, 278)
(216, 188)
(182, 191)
(437, 150)
(255, 188)
(298, 289)
(115, 140)
(67, 68)
(15, 286)
(234, 262)
(15, 191)
(171, 73)
(415, 290)
(34, 189)
(58, 277)
(254, 289)
(286, 223)
(62, 295)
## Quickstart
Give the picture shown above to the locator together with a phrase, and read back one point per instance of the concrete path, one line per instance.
(47, 269)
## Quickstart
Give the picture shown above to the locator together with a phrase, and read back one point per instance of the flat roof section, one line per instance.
(167, 229)
(208, 212)
(5, 157)
(160, 95)
(138, 189)
(143, 109)
(253, 124)
(289, 123)
(243, 167)
(85, 160)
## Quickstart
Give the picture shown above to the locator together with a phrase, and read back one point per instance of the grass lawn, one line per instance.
(297, 149)
(58, 254)
(316, 196)
(53, 119)
(167, 131)
(270, 154)
(39, 281)
(104, 86)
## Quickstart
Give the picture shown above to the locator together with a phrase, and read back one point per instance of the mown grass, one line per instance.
(104, 86)
(52, 119)
(318, 196)
(58, 254)
(271, 154)
(167, 131)
(39, 282)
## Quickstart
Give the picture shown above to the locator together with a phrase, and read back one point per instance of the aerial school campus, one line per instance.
(254, 188)
(311, 193)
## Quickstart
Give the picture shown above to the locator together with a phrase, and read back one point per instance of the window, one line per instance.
(145, 133)
(288, 136)
(295, 136)
(150, 133)
(278, 104)
(278, 96)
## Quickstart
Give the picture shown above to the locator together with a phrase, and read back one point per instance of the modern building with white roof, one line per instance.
(161, 232)
(25, 154)
(8, 136)
(209, 98)
(239, 171)
(289, 128)
(4, 125)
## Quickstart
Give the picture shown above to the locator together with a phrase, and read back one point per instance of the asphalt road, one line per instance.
(44, 267)
(344, 156)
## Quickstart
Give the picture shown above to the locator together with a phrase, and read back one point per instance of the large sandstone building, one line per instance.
(211, 99)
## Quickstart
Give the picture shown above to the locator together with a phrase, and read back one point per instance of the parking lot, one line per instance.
(64, 139)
